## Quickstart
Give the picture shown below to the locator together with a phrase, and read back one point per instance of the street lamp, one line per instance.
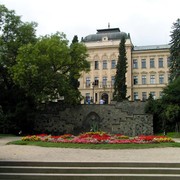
(93, 84)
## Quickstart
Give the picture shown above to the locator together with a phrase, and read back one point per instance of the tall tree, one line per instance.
(175, 50)
(79, 63)
(13, 34)
(43, 68)
(120, 88)
(171, 101)
(73, 77)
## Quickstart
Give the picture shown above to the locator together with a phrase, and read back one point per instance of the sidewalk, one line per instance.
(35, 153)
(176, 140)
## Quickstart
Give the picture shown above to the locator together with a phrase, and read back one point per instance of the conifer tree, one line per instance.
(73, 75)
(175, 51)
(79, 63)
(120, 88)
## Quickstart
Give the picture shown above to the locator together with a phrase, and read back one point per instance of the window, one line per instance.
(113, 64)
(152, 63)
(168, 62)
(135, 63)
(104, 64)
(144, 96)
(104, 81)
(112, 80)
(143, 63)
(143, 79)
(152, 79)
(87, 81)
(96, 81)
(135, 78)
(153, 95)
(96, 65)
(161, 79)
(160, 62)
(136, 96)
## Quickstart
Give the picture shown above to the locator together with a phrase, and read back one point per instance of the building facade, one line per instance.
(147, 67)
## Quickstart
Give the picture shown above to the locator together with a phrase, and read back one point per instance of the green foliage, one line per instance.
(120, 88)
(96, 146)
(38, 64)
(34, 69)
(149, 108)
(74, 74)
(155, 107)
(13, 34)
(94, 126)
(2, 120)
(171, 100)
(166, 111)
(78, 58)
(175, 51)
(171, 134)
(172, 92)
(43, 69)
(172, 112)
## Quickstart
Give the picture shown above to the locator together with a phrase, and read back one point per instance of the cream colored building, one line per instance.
(147, 70)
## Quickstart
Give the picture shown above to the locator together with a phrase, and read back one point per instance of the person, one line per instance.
(101, 101)
(89, 101)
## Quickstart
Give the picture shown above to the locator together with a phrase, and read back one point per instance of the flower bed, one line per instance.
(98, 138)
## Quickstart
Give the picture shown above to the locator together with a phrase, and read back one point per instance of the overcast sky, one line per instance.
(149, 22)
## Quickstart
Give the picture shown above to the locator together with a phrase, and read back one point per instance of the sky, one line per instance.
(149, 22)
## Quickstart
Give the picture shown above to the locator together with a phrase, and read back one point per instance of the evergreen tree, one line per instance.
(73, 78)
(120, 88)
(175, 50)
(78, 64)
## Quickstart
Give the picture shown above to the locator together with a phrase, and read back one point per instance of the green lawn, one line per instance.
(6, 135)
(171, 134)
(96, 146)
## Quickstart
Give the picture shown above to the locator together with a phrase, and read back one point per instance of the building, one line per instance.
(147, 70)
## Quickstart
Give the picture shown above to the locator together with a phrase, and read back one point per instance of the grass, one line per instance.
(171, 134)
(96, 146)
(7, 135)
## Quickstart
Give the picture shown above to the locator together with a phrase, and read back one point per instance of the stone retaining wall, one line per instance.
(126, 118)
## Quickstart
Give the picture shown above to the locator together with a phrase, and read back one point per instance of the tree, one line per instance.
(77, 51)
(166, 111)
(73, 77)
(171, 101)
(171, 97)
(171, 94)
(43, 68)
(13, 34)
(172, 114)
(175, 51)
(156, 108)
(120, 88)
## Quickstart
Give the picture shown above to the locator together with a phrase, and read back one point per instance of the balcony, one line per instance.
(99, 85)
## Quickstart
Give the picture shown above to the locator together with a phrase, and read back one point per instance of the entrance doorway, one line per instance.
(105, 98)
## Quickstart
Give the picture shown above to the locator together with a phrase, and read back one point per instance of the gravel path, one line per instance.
(35, 153)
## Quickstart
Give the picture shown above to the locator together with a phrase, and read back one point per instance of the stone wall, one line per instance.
(126, 118)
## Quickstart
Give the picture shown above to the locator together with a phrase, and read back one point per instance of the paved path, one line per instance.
(35, 153)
